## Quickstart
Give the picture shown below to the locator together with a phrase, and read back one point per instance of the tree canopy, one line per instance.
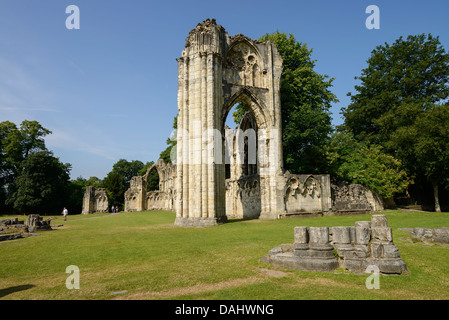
(363, 163)
(41, 185)
(400, 81)
(401, 105)
(30, 176)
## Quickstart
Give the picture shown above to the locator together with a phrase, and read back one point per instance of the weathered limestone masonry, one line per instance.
(216, 71)
(352, 248)
(137, 198)
(95, 200)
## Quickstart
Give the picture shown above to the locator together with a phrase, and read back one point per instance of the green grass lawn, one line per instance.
(144, 254)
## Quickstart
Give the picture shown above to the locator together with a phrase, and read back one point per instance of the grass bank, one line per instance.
(142, 255)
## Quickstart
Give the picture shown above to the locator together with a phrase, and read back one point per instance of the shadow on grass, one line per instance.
(5, 292)
(240, 220)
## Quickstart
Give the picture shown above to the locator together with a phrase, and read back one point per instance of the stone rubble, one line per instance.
(355, 248)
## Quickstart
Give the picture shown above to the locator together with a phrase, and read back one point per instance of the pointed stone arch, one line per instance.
(253, 102)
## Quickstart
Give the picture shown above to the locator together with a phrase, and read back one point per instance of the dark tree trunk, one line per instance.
(436, 197)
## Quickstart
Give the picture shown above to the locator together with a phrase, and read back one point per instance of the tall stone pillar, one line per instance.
(201, 200)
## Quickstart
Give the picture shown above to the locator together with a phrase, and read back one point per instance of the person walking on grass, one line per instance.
(65, 212)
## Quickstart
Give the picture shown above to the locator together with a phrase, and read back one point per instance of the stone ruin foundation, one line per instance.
(368, 243)
(14, 228)
(95, 200)
(428, 235)
(36, 223)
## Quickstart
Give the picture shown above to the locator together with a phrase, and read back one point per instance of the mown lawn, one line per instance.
(143, 254)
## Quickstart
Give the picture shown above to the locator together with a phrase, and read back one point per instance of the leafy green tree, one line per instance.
(127, 169)
(118, 180)
(401, 81)
(15, 146)
(10, 151)
(240, 110)
(41, 185)
(17, 143)
(153, 177)
(94, 182)
(8, 159)
(32, 134)
(305, 99)
(75, 194)
(145, 168)
(396, 100)
(115, 185)
(153, 181)
(425, 145)
(366, 164)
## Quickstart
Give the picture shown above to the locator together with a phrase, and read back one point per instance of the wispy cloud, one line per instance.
(40, 109)
(67, 139)
(21, 94)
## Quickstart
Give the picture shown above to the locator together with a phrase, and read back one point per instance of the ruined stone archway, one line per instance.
(138, 198)
(215, 71)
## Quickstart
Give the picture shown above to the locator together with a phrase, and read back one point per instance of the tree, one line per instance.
(145, 168)
(425, 145)
(75, 194)
(366, 164)
(9, 156)
(32, 134)
(153, 177)
(10, 151)
(15, 146)
(17, 143)
(94, 182)
(400, 81)
(115, 185)
(153, 181)
(305, 100)
(240, 110)
(127, 169)
(41, 185)
(118, 180)
(395, 105)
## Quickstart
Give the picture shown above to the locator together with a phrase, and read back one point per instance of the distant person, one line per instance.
(116, 209)
(112, 209)
(65, 212)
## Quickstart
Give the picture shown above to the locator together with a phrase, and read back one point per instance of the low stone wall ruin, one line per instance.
(438, 235)
(14, 228)
(352, 248)
(95, 200)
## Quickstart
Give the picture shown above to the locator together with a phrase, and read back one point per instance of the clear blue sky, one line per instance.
(108, 90)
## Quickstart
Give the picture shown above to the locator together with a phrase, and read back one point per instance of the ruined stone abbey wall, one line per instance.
(222, 173)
